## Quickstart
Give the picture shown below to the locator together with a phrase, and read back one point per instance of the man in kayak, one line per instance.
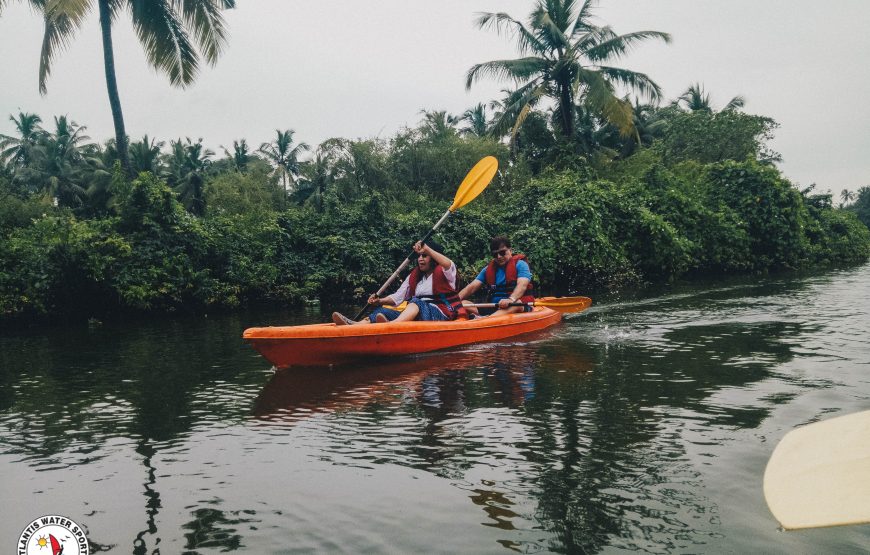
(430, 290)
(507, 279)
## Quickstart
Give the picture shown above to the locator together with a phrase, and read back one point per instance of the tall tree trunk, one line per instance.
(112, 86)
(566, 106)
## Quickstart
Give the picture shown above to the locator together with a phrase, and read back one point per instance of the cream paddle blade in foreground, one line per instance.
(819, 474)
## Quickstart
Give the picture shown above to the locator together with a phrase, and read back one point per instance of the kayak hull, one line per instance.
(327, 344)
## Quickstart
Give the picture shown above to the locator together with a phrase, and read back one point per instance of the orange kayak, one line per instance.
(325, 344)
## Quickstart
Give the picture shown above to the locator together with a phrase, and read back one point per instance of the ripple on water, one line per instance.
(636, 426)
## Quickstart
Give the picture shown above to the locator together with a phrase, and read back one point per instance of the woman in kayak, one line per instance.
(430, 290)
(507, 279)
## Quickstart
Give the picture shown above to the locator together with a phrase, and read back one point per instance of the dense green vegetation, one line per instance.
(623, 194)
(193, 232)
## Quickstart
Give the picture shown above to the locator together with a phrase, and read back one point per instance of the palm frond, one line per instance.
(695, 99)
(513, 106)
(592, 37)
(299, 149)
(62, 19)
(206, 20)
(561, 12)
(521, 118)
(116, 7)
(636, 81)
(548, 30)
(616, 46)
(735, 103)
(75, 10)
(518, 70)
(582, 23)
(601, 99)
(527, 42)
(166, 43)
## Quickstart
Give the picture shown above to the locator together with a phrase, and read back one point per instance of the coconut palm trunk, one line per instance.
(112, 86)
(175, 34)
(566, 109)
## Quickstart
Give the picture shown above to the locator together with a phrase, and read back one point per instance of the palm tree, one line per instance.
(847, 196)
(145, 155)
(317, 175)
(564, 58)
(188, 162)
(438, 123)
(18, 151)
(240, 156)
(510, 112)
(175, 35)
(358, 167)
(648, 125)
(284, 156)
(65, 158)
(695, 99)
(476, 119)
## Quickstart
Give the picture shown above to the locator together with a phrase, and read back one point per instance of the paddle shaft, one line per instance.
(494, 305)
(404, 263)
(559, 304)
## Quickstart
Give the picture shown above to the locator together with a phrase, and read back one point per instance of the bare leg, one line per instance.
(411, 311)
(508, 310)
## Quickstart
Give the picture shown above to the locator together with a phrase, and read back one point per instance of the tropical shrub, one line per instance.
(770, 210)
(700, 201)
(710, 137)
(861, 206)
(244, 193)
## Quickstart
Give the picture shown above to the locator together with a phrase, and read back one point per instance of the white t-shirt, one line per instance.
(424, 286)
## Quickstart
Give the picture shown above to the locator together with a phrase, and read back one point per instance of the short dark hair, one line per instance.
(499, 241)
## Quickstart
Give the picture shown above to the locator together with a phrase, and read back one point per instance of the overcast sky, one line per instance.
(360, 69)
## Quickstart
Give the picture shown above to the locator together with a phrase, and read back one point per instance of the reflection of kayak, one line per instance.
(509, 373)
(323, 344)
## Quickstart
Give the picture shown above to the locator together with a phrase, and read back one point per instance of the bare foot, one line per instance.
(341, 320)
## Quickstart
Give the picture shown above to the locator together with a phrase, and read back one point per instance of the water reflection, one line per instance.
(642, 426)
(585, 429)
(152, 499)
(210, 528)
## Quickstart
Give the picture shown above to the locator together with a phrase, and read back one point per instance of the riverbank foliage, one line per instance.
(194, 233)
(601, 191)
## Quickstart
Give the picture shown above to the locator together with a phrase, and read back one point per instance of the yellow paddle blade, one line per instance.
(475, 182)
(564, 304)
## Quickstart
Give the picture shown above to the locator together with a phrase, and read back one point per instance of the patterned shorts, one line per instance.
(428, 312)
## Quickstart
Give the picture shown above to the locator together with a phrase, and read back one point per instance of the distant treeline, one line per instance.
(599, 190)
(691, 192)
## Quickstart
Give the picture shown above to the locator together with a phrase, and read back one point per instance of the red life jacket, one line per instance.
(444, 297)
(510, 276)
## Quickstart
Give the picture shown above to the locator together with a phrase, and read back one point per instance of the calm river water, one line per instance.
(641, 425)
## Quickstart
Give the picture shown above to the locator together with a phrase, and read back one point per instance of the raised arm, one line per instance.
(439, 258)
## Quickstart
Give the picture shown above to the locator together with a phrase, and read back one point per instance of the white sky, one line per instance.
(359, 69)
